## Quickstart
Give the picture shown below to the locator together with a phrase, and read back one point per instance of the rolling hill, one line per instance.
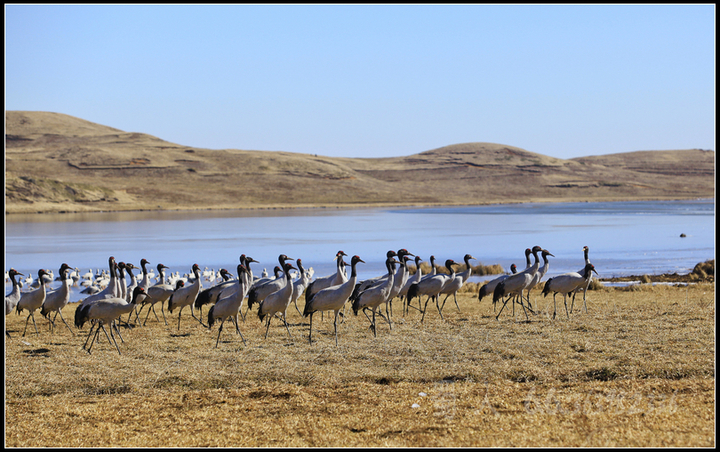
(59, 163)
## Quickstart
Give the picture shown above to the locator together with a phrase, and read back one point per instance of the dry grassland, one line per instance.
(637, 370)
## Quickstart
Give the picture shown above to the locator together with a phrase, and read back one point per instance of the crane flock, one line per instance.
(273, 295)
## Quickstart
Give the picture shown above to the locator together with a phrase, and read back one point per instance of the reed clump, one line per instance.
(641, 360)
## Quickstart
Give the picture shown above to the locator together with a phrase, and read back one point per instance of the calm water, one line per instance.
(625, 238)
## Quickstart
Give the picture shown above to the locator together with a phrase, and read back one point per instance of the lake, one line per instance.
(625, 238)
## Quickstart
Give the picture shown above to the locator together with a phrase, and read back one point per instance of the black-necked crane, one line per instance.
(300, 284)
(33, 300)
(416, 277)
(433, 272)
(185, 296)
(584, 288)
(431, 286)
(332, 298)
(11, 299)
(214, 293)
(376, 295)
(105, 312)
(229, 306)
(277, 302)
(452, 287)
(539, 275)
(566, 284)
(335, 279)
(258, 292)
(489, 287)
(158, 293)
(400, 278)
(145, 281)
(57, 299)
(513, 286)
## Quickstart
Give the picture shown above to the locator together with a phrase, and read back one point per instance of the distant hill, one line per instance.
(59, 163)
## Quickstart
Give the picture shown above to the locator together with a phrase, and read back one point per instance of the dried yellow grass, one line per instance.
(637, 370)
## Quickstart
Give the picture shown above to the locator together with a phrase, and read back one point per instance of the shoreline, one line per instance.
(345, 206)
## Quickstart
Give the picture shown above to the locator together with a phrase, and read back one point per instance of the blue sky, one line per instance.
(374, 80)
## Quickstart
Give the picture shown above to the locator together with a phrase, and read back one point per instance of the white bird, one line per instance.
(11, 299)
(229, 306)
(452, 287)
(584, 288)
(185, 296)
(431, 287)
(258, 292)
(278, 302)
(566, 284)
(57, 299)
(335, 279)
(513, 286)
(489, 287)
(105, 311)
(32, 301)
(332, 298)
(373, 297)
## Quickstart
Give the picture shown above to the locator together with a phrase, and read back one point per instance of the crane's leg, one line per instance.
(503, 307)
(219, 331)
(148, 315)
(51, 323)
(374, 328)
(296, 307)
(424, 309)
(97, 331)
(237, 329)
(268, 326)
(554, 305)
(179, 314)
(152, 306)
(66, 324)
(192, 313)
(310, 337)
(34, 324)
(162, 311)
(437, 305)
(335, 323)
(113, 338)
(89, 334)
(572, 305)
(565, 301)
(286, 325)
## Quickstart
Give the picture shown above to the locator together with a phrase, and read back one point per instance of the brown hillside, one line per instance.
(56, 162)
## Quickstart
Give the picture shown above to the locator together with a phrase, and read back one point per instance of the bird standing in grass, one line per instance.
(513, 286)
(375, 296)
(185, 296)
(431, 286)
(278, 301)
(588, 280)
(332, 298)
(489, 287)
(229, 306)
(11, 299)
(33, 300)
(566, 284)
(57, 299)
(105, 312)
(452, 287)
